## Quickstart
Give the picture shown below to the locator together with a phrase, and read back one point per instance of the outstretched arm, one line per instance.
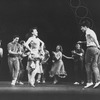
(81, 42)
(67, 57)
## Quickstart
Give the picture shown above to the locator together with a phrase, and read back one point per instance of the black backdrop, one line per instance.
(56, 22)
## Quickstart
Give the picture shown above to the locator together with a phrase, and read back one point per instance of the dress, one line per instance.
(58, 66)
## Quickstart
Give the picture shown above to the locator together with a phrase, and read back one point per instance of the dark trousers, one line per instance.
(45, 66)
(91, 64)
(78, 70)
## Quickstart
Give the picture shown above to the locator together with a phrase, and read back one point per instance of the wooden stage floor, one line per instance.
(47, 91)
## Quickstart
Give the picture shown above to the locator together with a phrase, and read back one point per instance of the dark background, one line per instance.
(56, 22)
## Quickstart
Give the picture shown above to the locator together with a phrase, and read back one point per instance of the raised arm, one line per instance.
(81, 42)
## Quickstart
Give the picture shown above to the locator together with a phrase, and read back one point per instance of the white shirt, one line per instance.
(91, 38)
(1, 52)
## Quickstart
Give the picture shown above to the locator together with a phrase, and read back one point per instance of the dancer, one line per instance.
(14, 51)
(78, 55)
(91, 56)
(1, 52)
(22, 69)
(40, 73)
(35, 46)
(44, 64)
(58, 65)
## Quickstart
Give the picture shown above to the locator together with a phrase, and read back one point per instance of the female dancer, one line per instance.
(58, 65)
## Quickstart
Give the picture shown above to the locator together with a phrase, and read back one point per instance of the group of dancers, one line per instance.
(37, 59)
(38, 55)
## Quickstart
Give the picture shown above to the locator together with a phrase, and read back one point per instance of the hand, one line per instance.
(73, 51)
(20, 53)
(79, 42)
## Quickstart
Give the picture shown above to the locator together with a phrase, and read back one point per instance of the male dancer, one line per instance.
(22, 70)
(14, 51)
(91, 56)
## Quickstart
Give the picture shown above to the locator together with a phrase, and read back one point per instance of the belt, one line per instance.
(91, 46)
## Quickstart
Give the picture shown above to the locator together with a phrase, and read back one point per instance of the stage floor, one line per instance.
(47, 91)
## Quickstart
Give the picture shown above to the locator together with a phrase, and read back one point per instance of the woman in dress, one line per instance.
(58, 68)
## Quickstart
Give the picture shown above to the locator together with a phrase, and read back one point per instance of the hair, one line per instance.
(78, 44)
(15, 36)
(85, 23)
(29, 34)
(22, 41)
(31, 29)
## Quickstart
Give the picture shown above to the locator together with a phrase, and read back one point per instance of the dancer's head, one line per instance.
(59, 48)
(15, 38)
(77, 46)
(34, 31)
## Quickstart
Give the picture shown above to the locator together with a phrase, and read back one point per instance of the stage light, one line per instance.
(75, 3)
(81, 12)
